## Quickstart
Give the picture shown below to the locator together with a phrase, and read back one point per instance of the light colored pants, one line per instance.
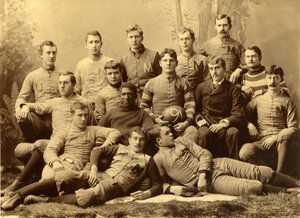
(235, 177)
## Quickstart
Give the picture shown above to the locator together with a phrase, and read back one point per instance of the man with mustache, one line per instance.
(140, 64)
(89, 73)
(220, 112)
(42, 84)
(277, 124)
(223, 45)
(253, 81)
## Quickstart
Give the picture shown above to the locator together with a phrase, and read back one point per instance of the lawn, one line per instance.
(279, 205)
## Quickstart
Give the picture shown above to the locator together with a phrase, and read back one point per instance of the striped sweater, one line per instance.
(255, 79)
(162, 92)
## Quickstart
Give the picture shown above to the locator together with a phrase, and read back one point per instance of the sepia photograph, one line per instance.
(150, 108)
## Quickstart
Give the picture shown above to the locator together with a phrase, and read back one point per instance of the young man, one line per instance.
(127, 114)
(130, 165)
(42, 84)
(220, 111)
(223, 45)
(191, 66)
(167, 90)
(140, 64)
(90, 74)
(108, 98)
(277, 124)
(193, 170)
(32, 153)
(253, 81)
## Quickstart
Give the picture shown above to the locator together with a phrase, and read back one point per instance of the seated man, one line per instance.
(168, 89)
(32, 153)
(127, 114)
(277, 125)
(108, 98)
(194, 170)
(130, 165)
(219, 112)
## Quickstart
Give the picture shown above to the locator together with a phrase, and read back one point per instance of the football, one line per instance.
(174, 114)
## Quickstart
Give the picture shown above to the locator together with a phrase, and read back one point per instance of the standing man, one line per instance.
(108, 97)
(191, 66)
(277, 124)
(140, 64)
(223, 45)
(42, 84)
(220, 111)
(89, 73)
(167, 90)
(186, 169)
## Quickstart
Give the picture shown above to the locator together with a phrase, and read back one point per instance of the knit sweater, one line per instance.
(162, 92)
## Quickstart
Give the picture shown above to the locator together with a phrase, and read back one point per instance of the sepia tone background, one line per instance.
(273, 25)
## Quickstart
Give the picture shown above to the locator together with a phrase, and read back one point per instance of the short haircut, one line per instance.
(215, 59)
(185, 29)
(138, 130)
(222, 16)
(130, 86)
(48, 43)
(69, 73)
(93, 33)
(77, 105)
(135, 27)
(112, 64)
(274, 69)
(255, 48)
(169, 51)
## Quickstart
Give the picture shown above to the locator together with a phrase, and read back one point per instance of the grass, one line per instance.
(275, 205)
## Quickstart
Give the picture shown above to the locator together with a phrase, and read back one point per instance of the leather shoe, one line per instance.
(12, 203)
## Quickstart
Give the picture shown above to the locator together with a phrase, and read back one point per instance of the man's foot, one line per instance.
(17, 184)
(31, 199)
(293, 190)
(12, 203)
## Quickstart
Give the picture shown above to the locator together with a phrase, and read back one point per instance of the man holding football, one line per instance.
(168, 90)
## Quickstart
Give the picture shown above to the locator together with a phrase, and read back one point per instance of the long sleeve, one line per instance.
(106, 135)
(147, 98)
(189, 102)
(157, 68)
(106, 151)
(78, 87)
(25, 92)
(152, 171)
(203, 155)
(41, 108)
(237, 110)
(55, 145)
(99, 107)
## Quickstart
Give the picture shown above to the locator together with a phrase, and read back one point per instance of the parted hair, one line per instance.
(47, 42)
(274, 69)
(222, 16)
(185, 29)
(138, 130)
(112, 64)
(77, 105)
(256, 49)
(169, 51)
(215, 59)
(93, 33)
(69, 73)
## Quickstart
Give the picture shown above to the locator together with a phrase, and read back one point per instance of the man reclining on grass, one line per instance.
(194, 170)
(86, 188)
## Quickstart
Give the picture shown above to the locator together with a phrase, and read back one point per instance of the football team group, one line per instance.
(213, 120)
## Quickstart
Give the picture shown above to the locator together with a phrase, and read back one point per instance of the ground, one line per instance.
(279, 205)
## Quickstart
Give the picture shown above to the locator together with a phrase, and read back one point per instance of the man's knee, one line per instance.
(203, 131)
(23, 149)
(254, 188)
(246, 152)
(232, 131)
(191, 133)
